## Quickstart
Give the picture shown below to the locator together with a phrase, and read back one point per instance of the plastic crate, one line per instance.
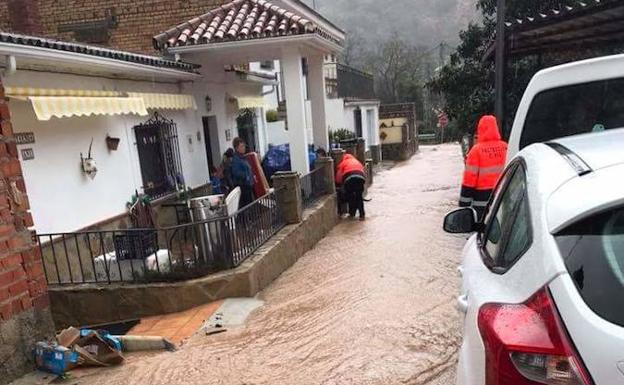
(135, 245)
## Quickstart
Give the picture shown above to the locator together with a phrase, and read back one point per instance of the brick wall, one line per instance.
(24, 301)
(137, 20)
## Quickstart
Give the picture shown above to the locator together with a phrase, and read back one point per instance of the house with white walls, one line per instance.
(71, 102)
(155, 125)
(352, 105)
(246, 31)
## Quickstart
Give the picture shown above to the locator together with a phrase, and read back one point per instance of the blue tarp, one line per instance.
(278, 159)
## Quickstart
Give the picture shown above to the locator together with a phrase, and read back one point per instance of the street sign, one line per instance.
(442, 120)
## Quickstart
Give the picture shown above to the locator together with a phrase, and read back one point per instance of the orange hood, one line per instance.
(487, 131)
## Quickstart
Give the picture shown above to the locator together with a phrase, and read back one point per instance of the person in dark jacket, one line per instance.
(242, 175)
(226, 171)
(351, 179)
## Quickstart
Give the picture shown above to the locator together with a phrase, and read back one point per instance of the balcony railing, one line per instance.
(313, 187)
(181, 252)
(353, 83)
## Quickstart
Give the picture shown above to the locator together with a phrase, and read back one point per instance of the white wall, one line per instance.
(308, 121)
(222, 90)
(62, 198)
(335, 114)
(371, 135)
(349, 120)
(277, 133)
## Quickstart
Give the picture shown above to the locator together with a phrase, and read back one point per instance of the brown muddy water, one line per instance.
(373, 303)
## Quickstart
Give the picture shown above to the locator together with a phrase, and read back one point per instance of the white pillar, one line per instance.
(295, 111)
(318, 98)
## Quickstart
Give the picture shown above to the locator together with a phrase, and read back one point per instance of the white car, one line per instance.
(543, 276)
(575, 98)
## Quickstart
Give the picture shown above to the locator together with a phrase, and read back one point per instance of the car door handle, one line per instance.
(462, 303)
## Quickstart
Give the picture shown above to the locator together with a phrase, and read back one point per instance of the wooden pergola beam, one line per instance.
(499, 86)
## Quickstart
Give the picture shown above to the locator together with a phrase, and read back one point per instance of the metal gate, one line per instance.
(159, 156)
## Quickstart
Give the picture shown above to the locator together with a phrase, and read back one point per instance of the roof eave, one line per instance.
(310, 38)
(304, 8)
(52, 57)
(356, 102)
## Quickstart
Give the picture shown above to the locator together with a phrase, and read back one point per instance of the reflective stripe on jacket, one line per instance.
(348, 164)
(484, 164)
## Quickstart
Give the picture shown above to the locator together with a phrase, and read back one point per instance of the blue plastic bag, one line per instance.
(276, 159)
(113, 342)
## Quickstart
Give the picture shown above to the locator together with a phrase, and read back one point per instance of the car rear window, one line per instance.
(593, 250)
(577, 109)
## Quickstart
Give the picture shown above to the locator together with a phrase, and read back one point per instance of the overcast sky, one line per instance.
(421, 22)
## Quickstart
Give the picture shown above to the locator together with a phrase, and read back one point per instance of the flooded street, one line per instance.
(373, 303)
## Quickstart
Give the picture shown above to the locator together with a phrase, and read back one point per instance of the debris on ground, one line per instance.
(232, 313)
(145, 343)
(85, 347)
(78, 347)
(178, 327)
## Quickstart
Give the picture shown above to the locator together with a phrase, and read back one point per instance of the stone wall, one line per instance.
(101, 305)
(409, 145)
(123, 24)
(398, 151)
(24, 301)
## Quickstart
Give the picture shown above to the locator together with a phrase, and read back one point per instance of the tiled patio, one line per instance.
(176, 327)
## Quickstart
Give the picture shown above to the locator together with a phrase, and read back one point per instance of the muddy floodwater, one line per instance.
(373, 303)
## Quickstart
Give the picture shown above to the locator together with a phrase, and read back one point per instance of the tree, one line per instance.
(353, 50)
(399, 70)
(467, 81)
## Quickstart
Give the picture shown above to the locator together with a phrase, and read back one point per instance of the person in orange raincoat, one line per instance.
(351, 180)
(484, 165)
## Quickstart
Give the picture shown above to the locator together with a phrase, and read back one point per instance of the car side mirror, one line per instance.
(461, 221)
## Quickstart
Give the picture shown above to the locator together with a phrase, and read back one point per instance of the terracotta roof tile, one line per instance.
(240, 20)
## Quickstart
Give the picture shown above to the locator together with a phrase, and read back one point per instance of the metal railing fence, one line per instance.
(167, 254)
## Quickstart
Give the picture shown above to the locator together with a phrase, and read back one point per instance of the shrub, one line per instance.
(272, 116)
(340, 134)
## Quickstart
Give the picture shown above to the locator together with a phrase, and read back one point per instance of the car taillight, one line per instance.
(527, 344)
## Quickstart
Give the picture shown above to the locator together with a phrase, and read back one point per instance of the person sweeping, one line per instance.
(351, 180)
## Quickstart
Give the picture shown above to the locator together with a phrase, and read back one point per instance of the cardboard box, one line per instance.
(55, 359)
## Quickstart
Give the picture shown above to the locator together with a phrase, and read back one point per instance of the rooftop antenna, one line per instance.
(314, 4)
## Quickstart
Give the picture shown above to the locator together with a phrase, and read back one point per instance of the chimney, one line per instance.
(24, 17)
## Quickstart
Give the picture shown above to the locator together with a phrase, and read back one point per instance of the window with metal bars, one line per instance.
(159, 156)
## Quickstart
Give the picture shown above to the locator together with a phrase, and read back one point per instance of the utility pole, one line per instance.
(442, 53)
(500, 66)
(439, 100)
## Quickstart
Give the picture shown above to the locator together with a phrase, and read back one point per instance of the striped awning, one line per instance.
(47, 107)
(48, 102)
(250, 102)
(29, 91)
(166, 101)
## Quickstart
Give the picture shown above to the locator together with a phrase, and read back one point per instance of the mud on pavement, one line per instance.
(373, 303)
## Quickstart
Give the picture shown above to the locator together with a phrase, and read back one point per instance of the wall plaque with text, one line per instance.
(24, 137)
(28, 154)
